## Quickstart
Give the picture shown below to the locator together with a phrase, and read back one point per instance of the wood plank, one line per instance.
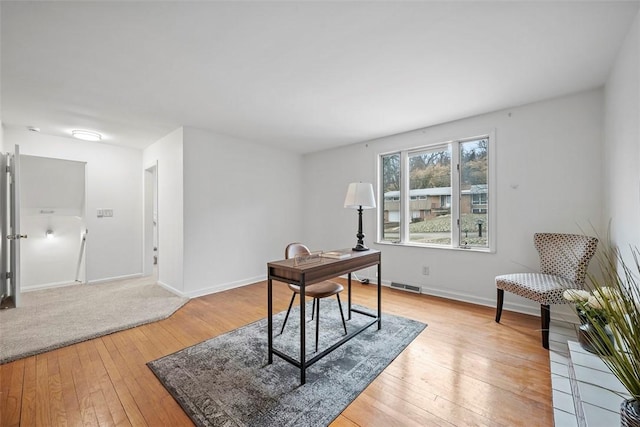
(43, 400)
(11, 379)
(67, 356)
(464, 369)
(113, 363)
(101, 378)
(57, 413)
(83, 388)
(28, 409)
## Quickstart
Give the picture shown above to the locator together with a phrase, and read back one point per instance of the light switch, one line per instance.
(100, 213)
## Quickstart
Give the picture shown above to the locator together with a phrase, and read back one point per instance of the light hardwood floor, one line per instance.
(463, 370)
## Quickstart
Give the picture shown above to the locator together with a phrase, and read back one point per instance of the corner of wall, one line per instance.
(621, 143)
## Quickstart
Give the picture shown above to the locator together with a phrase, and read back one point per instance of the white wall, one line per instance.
(167, 152)
(621, 150)
(548, 180)
(114, 181)
(242, 205)
(49, 262)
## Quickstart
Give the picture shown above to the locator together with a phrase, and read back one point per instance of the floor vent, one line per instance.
(409, 288)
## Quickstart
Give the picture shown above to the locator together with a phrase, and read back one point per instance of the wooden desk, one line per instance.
(307, 274)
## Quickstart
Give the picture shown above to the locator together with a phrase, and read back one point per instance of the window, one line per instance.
(437, 195)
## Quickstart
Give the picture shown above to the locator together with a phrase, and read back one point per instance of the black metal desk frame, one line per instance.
(287, 272)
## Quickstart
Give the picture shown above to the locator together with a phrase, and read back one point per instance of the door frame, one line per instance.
(150, 232)
(10, 228)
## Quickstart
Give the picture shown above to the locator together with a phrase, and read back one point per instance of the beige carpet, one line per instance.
(54, 318)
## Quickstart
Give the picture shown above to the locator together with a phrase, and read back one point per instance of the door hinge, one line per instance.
(8, 275)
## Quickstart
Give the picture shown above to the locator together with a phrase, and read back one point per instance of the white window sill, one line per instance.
(439, 247)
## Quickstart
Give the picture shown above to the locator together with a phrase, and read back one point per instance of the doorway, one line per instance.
(52, 214)
(151, 225)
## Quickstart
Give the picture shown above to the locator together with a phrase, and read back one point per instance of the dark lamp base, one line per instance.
(360, 248)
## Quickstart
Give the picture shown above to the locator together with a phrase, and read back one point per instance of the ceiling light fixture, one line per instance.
(86, 135)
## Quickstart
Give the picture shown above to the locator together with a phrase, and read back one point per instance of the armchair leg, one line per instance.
(293, 297)
(500, 300)
(545, 315)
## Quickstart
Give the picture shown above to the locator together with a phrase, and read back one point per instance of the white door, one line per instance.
(10, 225)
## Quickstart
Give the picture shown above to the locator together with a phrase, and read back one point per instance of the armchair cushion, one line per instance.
(546, 289)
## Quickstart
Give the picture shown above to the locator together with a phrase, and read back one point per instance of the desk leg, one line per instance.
(349, 295)
(379, 296)
(303, 335)
(270, 319)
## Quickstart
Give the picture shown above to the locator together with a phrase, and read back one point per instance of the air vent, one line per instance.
(408, 288)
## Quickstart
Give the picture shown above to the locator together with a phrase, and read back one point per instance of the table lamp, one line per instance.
(360, 196)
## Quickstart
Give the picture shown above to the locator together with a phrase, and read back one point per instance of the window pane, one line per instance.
(430, 183)
(391, 198)
(474, 207)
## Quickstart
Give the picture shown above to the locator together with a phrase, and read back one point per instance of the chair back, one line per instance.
(565, 255)
(294, 249)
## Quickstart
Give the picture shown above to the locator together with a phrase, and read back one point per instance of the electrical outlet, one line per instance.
(425, 270)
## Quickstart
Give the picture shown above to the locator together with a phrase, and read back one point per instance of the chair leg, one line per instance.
(317, 320)
(293, 297)
(500, 300)
(341, 314)
(545, 315)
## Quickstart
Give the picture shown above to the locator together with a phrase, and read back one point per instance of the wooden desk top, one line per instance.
(326, 268)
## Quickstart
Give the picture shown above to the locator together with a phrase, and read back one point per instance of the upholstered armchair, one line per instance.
(564, 259)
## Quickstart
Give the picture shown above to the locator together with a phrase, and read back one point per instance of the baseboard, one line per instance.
(224, 287)
(111, 279)
(47, 286)
(557, 312)
(172, 290)
(473, 299)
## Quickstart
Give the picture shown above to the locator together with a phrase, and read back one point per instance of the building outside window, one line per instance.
(437, 195)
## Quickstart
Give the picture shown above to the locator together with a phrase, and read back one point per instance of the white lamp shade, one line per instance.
(360, 194)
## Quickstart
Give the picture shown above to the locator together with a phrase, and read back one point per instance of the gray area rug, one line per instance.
(53, 318)
(225, 381)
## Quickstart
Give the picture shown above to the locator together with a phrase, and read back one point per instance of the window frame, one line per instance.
(404, 205)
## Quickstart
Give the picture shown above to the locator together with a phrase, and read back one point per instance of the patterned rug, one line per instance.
(225, 381)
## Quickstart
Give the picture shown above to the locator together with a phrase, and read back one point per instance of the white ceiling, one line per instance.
(302, 76)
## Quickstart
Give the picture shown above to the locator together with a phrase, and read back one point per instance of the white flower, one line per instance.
(606, 292)
(595, 302)
(576, 295)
